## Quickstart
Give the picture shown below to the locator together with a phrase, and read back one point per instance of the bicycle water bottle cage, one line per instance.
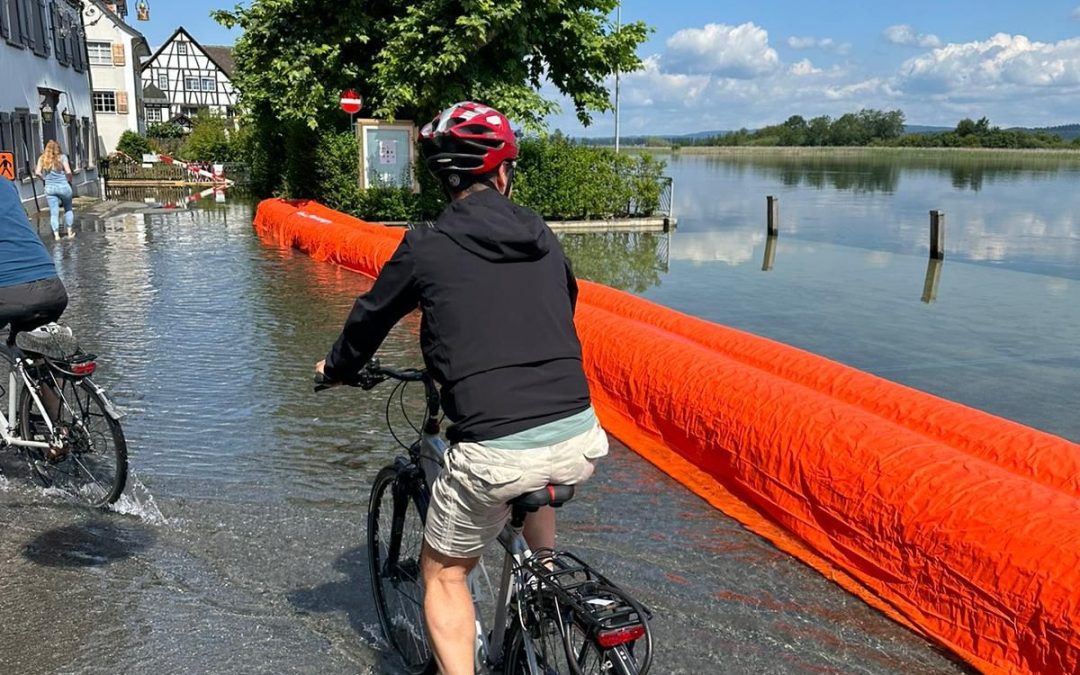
(605, 613)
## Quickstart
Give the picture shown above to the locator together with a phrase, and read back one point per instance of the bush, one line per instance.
(133, 145)
(561, 180)
(165, 130)
(208, 140)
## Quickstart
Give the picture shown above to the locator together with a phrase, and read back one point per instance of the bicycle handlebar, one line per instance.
(371, 375)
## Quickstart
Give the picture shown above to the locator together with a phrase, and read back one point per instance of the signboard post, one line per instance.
(351, 102)
(7, 165)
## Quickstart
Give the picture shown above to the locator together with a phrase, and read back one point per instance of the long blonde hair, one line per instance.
(50, 159)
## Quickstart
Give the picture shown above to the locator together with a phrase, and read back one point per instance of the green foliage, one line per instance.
(164, 130)
(411, 58)
(555, 178)
(208, 140)
(417, 56)
(133, 145)
(336, 172)
(558, 179)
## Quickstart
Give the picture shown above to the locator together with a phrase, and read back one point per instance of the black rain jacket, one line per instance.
(497, 297)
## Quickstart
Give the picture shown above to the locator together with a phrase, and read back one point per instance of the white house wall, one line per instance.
(22, 72)
(124, 78)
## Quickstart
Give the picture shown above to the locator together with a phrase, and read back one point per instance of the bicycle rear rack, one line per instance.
(606, 613)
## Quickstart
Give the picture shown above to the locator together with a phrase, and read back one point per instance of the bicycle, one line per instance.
(553, 614)
(62, 422)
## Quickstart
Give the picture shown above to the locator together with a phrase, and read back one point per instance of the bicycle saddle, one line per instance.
(51, 340)
(552, 495)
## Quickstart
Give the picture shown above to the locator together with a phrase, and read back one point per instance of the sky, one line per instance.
(719, 64)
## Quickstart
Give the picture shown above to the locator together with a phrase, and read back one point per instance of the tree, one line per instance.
(411, 58)
(208, 140)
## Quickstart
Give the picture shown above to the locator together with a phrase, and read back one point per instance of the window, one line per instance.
(209, 84)
(105, 101)
(190, 111)
(100, 53)
(163, 81)
(191, 83)
(181, 48)
(153, 114)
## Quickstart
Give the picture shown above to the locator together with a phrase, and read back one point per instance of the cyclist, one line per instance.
(31, 294)
(497, 298)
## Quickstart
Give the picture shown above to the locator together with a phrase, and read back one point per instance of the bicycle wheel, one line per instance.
(395, 536)
(561, 647)
(93, 460)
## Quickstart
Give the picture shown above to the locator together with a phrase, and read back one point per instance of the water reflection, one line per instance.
(631, 261)
(882, 170)
(769, 258)
(933, 278)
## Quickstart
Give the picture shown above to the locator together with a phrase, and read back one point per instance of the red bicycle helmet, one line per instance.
(467, 138)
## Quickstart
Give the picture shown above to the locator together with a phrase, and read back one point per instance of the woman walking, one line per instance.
(53, 168)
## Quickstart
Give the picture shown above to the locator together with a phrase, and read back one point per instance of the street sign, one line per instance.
(351, 101)
(7, 165)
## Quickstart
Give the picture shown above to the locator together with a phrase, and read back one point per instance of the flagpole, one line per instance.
(618, 26)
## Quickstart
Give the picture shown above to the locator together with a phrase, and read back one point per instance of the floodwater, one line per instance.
(239, 548)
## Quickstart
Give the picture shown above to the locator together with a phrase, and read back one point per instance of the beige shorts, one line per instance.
(469, 497)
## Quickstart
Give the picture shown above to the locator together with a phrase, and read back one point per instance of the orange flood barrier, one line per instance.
(962, 525)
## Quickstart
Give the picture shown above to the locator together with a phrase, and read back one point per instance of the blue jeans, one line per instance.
(57, 195)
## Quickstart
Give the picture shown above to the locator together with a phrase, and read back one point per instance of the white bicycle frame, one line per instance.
(487, 654)
(8, 433)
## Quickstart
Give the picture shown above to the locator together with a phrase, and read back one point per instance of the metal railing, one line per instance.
(659, 205)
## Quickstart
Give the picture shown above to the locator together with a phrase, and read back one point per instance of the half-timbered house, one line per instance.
(192, 77)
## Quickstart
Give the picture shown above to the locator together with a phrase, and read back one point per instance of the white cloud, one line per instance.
(725, 77)
(1003, 65)
(803, 68)
(903, 34)
(740, 52)
(827, 44)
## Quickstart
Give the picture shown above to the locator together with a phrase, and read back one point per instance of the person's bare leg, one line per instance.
(540, 529)
(448, 610)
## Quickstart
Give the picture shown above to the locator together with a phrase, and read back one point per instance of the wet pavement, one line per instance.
(239, 547)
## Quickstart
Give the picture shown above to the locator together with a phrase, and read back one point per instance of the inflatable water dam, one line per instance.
(959, 524)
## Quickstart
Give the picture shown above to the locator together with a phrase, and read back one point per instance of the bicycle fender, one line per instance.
(111, 409)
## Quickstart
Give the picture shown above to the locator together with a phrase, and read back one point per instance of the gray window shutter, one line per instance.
(23, 8)
(7, 143)
(5, 29)
(41, 28)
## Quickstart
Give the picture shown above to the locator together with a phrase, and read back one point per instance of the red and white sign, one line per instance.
(351, 101)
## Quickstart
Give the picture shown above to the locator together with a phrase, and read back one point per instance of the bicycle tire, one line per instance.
(563, 649)
(394, 545)
(94, 467)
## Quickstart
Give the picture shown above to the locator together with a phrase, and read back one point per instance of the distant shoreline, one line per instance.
(852, 151)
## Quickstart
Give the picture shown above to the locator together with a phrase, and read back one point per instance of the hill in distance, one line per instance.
(1066, 131)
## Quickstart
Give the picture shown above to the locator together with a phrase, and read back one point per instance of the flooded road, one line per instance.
(239, 548)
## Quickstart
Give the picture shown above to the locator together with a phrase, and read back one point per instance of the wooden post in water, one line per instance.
(773, 217)
(937, 235)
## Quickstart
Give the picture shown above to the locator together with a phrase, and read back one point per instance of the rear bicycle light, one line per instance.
(619, 636)
(85, 368)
